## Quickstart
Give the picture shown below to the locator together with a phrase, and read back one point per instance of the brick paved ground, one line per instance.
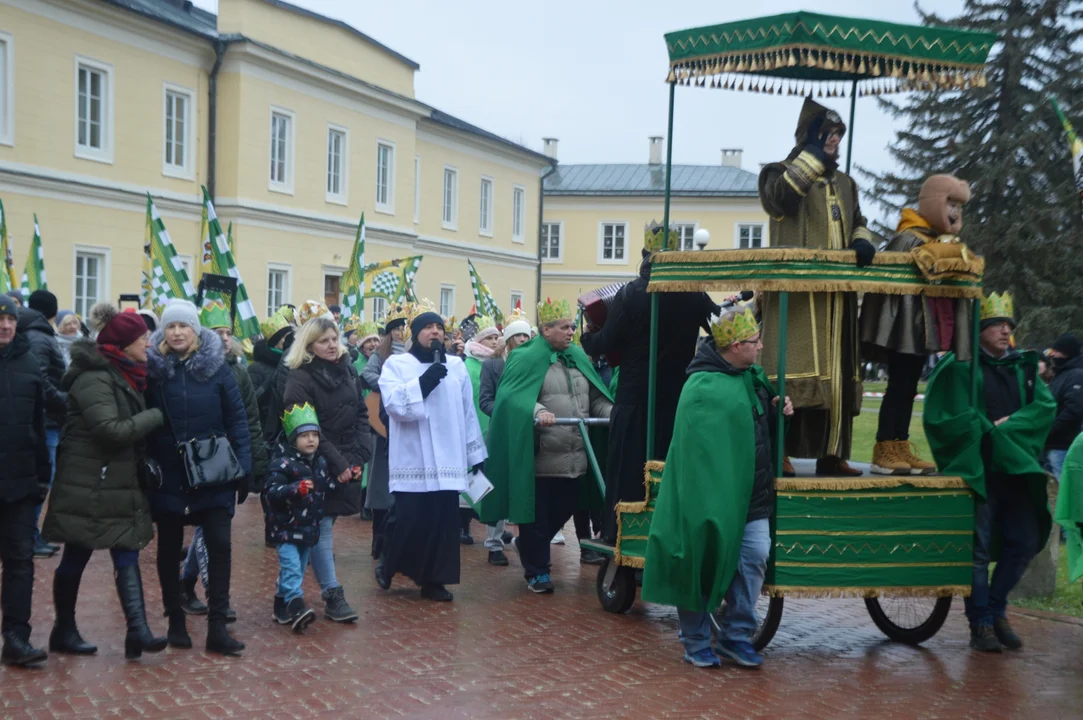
(498, 651)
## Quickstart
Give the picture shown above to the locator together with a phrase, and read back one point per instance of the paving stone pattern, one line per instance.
(499, 651)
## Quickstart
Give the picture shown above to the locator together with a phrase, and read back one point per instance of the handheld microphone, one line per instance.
(745, 295)
(437, 348)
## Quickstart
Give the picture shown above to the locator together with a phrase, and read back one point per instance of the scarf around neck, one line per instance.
(478, 351)
(134, 372)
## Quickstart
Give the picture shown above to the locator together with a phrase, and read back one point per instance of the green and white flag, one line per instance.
(483, 297)
(34, 270)
(1075, 148)
(7, 269)
(392, 280)
(164, 276)
(353, 282)
(216, 249)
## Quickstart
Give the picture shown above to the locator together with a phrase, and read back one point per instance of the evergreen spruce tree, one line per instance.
(1007, 142)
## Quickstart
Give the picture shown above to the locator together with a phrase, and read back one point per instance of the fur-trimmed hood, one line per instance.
(203, 364)
(85, 356)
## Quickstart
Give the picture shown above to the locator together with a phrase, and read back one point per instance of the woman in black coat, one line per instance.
(190, 382)
(321, 374)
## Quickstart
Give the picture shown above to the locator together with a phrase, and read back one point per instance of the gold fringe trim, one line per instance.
(656, 465)
(862, 286)
(799, 591)
(870, 483)
(632, 562)
(775, 255)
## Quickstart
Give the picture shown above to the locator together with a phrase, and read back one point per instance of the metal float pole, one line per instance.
(850, 129)
(780, 418)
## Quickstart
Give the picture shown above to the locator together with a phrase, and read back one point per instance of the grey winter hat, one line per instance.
(181, 311)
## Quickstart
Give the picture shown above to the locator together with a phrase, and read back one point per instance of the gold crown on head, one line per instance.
(653, 235)
(287, 313)
(311, 309)
(734, 327)
(998, 306)
(368, 330)
(272, 325)
(352, 324)
(300, 418)
(549, 311)
(514, 316)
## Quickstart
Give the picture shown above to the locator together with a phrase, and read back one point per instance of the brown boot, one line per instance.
(832, 466)
(787, 468)
(887, 460)
(905, 450)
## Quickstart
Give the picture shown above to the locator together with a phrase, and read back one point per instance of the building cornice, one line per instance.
(569, 276)
(603, 203)
(476, 146)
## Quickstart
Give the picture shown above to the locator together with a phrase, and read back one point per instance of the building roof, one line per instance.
(179, 14)
(442, 118)
(639, 180)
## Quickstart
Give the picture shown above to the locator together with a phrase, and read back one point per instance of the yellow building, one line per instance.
(595, 215)
(295, 122)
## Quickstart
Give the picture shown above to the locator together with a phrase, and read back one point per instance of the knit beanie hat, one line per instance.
(423, 320)
(1068, 344)
(181, 311)
(44, 302)
(519, 327)
(116, 328)
(63, 314)
(8, 306)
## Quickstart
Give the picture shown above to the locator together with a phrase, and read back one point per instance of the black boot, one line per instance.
(20, 652)
(65, 637)
(190, 601)
(220, 641)
(139, 638)
(177, 635)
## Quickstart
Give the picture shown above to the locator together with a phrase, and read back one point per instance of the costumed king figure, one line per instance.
(903, 330)
(995, 445)
(710, 536)
(812, 204)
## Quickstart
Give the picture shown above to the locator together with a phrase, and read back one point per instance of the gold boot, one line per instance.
(905, 450)
(887, 460)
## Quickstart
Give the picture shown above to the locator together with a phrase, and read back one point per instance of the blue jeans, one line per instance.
(322, 556)
(1008, 511)
(52, 441)
(195, 563)
(738, 619)
(1056, 461)
(292, 560)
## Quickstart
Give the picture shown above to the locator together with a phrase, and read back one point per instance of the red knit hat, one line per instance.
(117, 328)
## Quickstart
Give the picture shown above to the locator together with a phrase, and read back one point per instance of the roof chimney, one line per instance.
(550, 148)
(655, 149)
(731, 157)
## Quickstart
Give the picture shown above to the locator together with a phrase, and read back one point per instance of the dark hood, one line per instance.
(708, 359)
(203, 364)
(645, 266)
(264, 353)
(84, 356)
(1062, 366)
(18, 346)
(33, 320)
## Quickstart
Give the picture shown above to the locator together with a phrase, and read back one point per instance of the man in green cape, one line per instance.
(711, 535)
(540, 475)
(994, 444)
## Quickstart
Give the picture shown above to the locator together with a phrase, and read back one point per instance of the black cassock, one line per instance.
(421, 537)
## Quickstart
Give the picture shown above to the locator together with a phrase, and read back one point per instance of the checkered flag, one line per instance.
(164, 277)
(34, 271)
(353, 283)
(216, 248)
(483, 297)
(393, 280)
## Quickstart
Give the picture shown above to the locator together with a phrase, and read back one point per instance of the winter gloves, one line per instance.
(865, 251)
(431, 378)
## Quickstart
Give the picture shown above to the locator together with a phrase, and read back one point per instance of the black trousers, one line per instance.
(587, 522)
(421, 537)
(217, 526)
(904, 374)
(555, 499)
(17, 525)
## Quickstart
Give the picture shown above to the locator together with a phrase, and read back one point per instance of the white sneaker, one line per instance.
(558, 539)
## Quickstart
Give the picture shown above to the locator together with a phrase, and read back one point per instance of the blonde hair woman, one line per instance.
(322, 375)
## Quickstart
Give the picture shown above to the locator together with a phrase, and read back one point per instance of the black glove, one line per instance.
(865, 252)
(431, 378)
(480, 467)
(816, 139)
(242, 488)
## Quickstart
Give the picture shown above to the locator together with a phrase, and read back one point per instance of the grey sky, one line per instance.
(592, 73)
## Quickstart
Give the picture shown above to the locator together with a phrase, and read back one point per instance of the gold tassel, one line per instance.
(820, 93)
(741, 67)
(862, 69)
(755, 66)
(829, 63)
(925, 74)
(791, 61)
(877, 67)
(671, 77)
(979, 80)
(847, 64)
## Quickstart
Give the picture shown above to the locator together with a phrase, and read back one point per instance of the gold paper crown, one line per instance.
(653, 234)
(300, 418)
(998, 306)
(514, 316)
(286, 312)
(311, 309)
(214, 314)
(484, 323)
(398, 312)
(272, 325)
(549, 311)
(368, 330)
(451, 325)
(733, 328)
(352, 324)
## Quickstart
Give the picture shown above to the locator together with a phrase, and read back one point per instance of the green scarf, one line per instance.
(955, 428)
(700, 515)
(1069, 511)
(510, 466)
(473, 369)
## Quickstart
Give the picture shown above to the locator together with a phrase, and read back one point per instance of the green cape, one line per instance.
(510, 466)
(473, 369)
(702, 507)
(955, 428)
(1069, 511)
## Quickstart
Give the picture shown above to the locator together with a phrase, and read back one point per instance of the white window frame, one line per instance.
(104, 154)
(379, 310)
(388, 207)
(287, 286)
(691, 240)
(451, 306)
(7, 89)
(105, 254)
(543, 240)
(286, 185)
(485, 209)
(514, 295)
(601, 243)
(342, 197)
(518, 214)
(737, 233)
(186, 170)
(417, 189)
(451, 223)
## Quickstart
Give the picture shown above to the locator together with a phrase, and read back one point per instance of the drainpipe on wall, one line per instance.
(541, 221)
(212, 116)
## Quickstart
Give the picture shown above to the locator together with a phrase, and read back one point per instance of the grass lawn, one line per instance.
(1067, 598)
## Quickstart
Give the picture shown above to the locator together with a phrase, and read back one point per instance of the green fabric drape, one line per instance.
(1069, 512)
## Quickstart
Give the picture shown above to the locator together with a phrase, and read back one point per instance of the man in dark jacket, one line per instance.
(24, 480)
(1067, 389)
(627, 331)
(35, 323)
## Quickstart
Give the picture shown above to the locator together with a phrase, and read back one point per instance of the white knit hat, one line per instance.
(181, 311)
(519, 327)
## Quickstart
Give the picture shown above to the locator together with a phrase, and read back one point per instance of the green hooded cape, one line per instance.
(1069, 511)
(510, 466)
(955, 428)
(702, 507)
(473, 369)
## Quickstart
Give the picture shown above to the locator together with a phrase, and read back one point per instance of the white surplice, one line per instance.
(432, 442)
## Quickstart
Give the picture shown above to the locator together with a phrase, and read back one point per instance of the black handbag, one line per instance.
(208, 462)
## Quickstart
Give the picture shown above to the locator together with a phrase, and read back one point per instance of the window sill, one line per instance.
(281, 189)
(178, 173)
(520, 240)
(104, 158)
(337, 200)
(453, 227)
(623, 261)
(554, 261)
(385, 209)
(485, 233)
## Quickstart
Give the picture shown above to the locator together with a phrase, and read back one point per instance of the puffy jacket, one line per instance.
(491, 370)
(559, 450)
(264, 363)
(1067, 389)
(24, 456)
(46, 350)
(290, 517)
(97, 500)
(335, 390)
(251, 414)
(199, 398)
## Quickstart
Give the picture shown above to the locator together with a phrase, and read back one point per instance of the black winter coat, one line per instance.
(491, 370)
(263, 365)
(199, 398)
(1067, 389)
(335, 390)
(24, 455)
(291, 518)
(45, 348)
(97, 500)
(251, 414)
